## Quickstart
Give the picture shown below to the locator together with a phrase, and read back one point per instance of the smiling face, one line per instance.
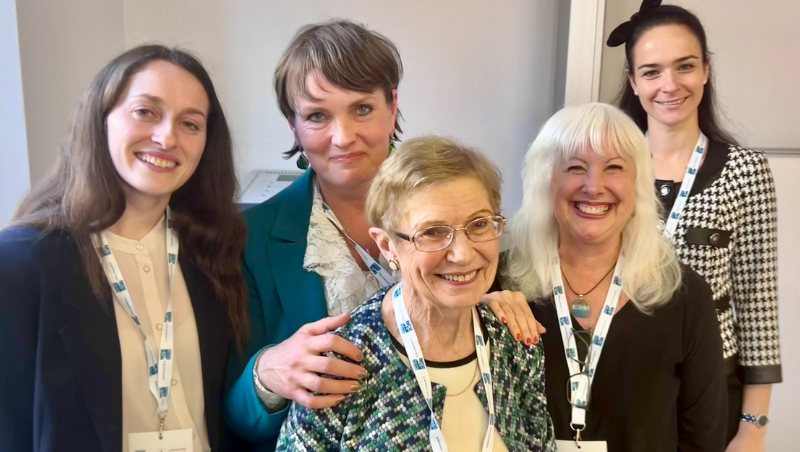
(593, 197)
(459, 275)
(345, 134)
(157, 131)
(669, 74)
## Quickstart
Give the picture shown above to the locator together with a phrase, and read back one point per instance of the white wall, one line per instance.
(785, 397)
(14, 173)
(62, 45)
(481, 71)
(612, 71)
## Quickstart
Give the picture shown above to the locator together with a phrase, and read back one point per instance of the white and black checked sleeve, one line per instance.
(754, 267)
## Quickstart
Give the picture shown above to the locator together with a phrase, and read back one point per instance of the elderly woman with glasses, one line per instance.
(633, 350)
(443, 372)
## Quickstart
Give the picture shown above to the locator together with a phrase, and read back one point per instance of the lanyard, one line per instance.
(580, 389)
(385, 279)
(686, 186)
(414, 351)
(159, 367)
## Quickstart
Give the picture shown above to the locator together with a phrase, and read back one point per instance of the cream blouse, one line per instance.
(144, 266)
(464, 419)
(346, 284)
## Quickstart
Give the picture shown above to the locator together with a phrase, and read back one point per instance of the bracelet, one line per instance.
(272, 402)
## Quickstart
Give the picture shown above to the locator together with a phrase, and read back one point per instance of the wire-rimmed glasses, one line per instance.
(578, 383)
(439, 237)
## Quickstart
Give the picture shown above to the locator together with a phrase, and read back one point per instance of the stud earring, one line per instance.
(394, 264)
(302, 161)
(636, 93)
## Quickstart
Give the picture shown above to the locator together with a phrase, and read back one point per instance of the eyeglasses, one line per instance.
(435, 238)
(578, 383)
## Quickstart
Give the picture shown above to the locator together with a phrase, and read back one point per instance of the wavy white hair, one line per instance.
(651, 272)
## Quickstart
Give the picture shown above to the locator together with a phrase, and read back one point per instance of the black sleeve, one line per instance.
(19, 312)
(702, 399)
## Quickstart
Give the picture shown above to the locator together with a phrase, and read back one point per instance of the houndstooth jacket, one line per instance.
(728, 234)
(389, 411)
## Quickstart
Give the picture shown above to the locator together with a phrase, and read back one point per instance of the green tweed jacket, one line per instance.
(390, 413)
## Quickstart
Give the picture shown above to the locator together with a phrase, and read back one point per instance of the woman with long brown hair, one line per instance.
(120, 281)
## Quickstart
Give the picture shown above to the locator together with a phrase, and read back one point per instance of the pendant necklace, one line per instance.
(580, 307)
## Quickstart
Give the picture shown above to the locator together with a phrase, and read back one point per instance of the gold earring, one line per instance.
(394, 264)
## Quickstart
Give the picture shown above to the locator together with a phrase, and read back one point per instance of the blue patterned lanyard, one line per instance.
(686, 186)
(160, 367)
(414, 351)
(385, 279)
(580, 389)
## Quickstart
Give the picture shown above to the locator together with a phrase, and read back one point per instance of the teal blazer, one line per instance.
(283, 297)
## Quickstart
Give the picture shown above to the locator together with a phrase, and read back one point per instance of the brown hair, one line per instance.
(347, 55)
(419, 163)
(84, 194)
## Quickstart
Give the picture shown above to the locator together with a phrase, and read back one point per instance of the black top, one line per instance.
(659, 384)
(715, 159)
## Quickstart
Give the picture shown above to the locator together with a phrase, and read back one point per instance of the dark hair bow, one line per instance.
(624, 31)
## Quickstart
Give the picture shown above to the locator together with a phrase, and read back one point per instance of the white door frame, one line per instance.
(584, 52)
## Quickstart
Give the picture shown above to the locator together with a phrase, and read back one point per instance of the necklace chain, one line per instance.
(343, 232)
(469, 385)
(581, 295)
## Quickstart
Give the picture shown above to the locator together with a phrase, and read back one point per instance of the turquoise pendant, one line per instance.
(580, 308)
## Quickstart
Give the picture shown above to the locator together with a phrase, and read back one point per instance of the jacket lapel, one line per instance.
(214, 335)
(89, 335)
(301, 292)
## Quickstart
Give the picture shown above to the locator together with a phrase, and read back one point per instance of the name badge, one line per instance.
(585, 446)
(172, 441)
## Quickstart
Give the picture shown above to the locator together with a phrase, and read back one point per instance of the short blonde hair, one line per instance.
(652, 272)
(422, 162)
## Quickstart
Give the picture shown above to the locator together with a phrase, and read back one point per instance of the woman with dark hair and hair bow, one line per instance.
(120, 276)
(718, 200)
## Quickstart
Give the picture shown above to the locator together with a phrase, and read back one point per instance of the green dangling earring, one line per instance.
(302, 161)
(392, 147)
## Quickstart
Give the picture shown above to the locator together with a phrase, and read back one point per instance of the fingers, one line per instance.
(325, 325)
(500, 303)
(317, 402)
(297, 368)
(512, 309)
(332, 343)
(334, 367)
(313, 389)
(536, 328)
(324, 385)
(523, 316)
(493, 301)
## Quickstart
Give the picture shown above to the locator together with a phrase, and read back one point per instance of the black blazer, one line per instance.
(60, 382)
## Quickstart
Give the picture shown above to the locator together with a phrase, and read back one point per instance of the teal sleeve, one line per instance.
(245, 412)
